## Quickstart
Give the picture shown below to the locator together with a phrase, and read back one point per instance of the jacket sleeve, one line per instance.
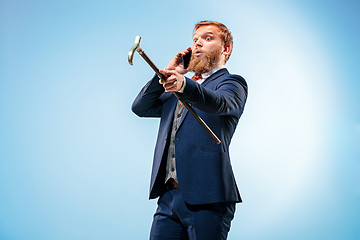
(228, 98)
(148, 102)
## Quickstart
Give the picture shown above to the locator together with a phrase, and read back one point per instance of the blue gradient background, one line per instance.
(75, 161)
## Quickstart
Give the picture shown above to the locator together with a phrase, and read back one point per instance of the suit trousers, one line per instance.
(174, 219)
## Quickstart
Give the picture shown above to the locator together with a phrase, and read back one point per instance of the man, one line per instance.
(192, 174)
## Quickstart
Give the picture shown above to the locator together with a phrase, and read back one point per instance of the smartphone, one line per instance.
(186, 59)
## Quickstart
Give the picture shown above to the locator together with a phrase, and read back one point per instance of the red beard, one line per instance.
(205, 62)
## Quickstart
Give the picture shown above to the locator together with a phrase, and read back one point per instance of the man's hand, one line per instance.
(173, 82)
(177, 64)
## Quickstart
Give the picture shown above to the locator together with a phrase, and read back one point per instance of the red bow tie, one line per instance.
(196, 77)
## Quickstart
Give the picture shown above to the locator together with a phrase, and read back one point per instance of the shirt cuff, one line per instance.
(183, 86)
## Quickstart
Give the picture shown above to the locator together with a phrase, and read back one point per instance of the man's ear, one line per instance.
(227, 49)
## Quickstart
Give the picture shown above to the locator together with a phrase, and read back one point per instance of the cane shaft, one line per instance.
(152, 65)
(202, 123)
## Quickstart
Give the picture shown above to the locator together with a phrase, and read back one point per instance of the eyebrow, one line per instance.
(205, 33)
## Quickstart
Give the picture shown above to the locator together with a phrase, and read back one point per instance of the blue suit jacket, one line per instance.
(203, 167)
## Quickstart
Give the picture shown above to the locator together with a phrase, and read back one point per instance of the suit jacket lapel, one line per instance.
(215, 76)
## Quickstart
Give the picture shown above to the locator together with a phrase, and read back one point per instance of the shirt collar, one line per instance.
(211, 72)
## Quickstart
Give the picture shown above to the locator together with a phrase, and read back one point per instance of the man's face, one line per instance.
(207, 49)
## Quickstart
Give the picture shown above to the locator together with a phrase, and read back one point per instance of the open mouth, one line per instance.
(197, 53)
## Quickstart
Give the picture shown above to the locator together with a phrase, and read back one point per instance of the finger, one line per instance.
(175, 86)
(170, 79)
(163, 71)
(167, 72)
(170, 83)
(163, 80)
(169, 87)
(186, 51)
